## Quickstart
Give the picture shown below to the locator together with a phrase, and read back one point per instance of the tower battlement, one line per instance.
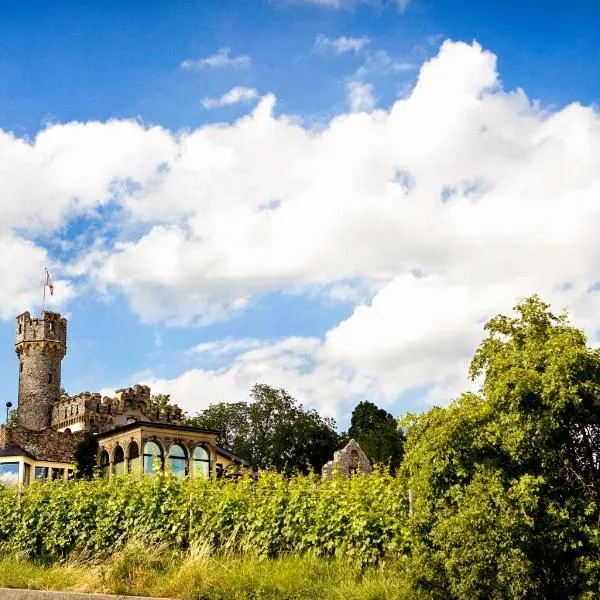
(41, 344)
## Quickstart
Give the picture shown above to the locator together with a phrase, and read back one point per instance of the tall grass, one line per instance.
(202, 574)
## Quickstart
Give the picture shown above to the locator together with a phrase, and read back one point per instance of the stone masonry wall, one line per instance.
(43, 445)
(40, 347)
(347, 461)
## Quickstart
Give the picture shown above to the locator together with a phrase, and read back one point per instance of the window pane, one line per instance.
(177, 451)
(134, 451)
(41, 473)
(201, 467)
(200, 453)
(9, 473)
(152, 448)
(178, 466)
(119, 454)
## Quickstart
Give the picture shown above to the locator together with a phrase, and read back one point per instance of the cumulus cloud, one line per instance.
(233, 96)
(340, 45)
(360, 96)
(456, 200)
(221, 59)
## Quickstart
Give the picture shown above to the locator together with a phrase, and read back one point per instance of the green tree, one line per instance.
(377, 432)
(506, 483)
(85, 456)
(272, 431)
(160, 401)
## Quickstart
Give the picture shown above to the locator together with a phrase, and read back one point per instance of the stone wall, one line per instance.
(47, 444)
(347, 461)
(94, 412)
(40, 347)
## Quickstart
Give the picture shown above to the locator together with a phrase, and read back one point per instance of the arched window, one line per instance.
(104, 463)
(135, 464)
(119, 461)
(152, 454)
(201, 462)
(178, 460)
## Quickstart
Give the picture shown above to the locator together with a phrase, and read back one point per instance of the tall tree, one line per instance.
(272, 431)
(506, 483)
(377, 432)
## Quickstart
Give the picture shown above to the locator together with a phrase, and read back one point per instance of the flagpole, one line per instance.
(44, 297)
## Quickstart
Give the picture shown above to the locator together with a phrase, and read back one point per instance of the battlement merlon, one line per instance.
(48, 327)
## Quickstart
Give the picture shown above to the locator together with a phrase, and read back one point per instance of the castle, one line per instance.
(132, 434)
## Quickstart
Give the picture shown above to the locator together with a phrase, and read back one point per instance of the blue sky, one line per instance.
(325, 195)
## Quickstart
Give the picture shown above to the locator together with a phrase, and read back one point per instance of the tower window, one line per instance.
(49, 377)
(51, 327)
(20, 327)
(21, 367)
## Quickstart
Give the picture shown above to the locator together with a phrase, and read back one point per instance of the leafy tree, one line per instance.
(506, 483)
(160, 401)
(377, 432)
(272, 431)
(85, 456)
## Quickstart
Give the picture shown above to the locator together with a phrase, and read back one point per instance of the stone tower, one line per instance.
(41, 345)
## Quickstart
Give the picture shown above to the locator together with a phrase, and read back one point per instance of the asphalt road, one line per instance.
(6, 594)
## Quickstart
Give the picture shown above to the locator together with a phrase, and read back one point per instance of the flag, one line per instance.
(49, 282)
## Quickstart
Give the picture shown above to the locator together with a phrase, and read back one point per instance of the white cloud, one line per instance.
(457, 199)
(221, 59)
(379, 62)
(233, 96)
(360, 96)
(340, 45)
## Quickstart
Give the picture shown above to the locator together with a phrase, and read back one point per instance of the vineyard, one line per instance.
(361, 519)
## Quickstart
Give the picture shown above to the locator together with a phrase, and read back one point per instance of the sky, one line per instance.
(329, 196)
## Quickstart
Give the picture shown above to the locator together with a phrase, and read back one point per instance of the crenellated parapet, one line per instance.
(94, 412)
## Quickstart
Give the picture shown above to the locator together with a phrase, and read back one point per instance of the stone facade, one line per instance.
(97, 413)
(48, 444)
(347, 461)
(41, 345)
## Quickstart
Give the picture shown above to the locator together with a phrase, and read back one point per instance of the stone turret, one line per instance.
(41, 344)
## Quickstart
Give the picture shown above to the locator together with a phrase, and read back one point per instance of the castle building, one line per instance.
(132, 434)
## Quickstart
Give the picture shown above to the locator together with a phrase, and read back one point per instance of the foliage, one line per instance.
(506, 483)
(11, 421)
(160, 401)
(378, 434)
(361, 519)
(85, 456)
(272, 431)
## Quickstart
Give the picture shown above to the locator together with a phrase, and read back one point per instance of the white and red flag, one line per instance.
(49, 282)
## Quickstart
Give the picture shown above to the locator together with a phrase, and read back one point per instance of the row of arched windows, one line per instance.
(153, 459)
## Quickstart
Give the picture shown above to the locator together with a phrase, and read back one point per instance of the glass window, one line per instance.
(9, 473)
(152, 457)
(119, 461)
(57, 474)
(135, 463)
(104, 463)
(178, 460)
(41, 473)
(201, 462)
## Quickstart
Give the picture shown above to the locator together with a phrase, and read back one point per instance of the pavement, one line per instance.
(6, 594)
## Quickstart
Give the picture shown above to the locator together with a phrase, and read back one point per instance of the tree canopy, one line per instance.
(377, 432)
(273, 430)
(506, 482)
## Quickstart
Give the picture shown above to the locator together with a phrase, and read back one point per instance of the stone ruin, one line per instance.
(346, 462)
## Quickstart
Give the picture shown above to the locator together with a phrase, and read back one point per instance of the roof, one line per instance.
(159, 425)
(14, 450)
(230, 456)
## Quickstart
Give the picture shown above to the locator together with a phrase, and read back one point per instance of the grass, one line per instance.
(202, 575)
